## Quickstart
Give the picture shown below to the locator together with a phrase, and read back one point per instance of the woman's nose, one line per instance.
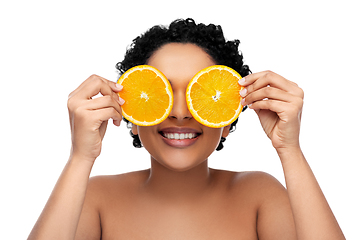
(180, 110)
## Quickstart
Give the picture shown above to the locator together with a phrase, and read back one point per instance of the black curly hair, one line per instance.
(209, 37)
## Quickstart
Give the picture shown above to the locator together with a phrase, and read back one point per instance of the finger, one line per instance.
(284, 110)
(112, 89)
(105, 114)
(81, 86)
(267, 78)
(115, 87)
(267, 93)
(104, 102)
(117, 122)
(94, 85)
(269, 104)
(251, 78)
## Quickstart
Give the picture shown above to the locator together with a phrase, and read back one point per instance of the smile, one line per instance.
(179, 136)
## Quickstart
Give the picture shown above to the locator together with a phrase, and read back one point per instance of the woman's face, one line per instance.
(180, 142)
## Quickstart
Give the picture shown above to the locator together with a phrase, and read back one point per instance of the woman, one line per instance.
(180, 197)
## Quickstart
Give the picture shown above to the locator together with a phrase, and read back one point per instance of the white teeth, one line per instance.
(180, 136)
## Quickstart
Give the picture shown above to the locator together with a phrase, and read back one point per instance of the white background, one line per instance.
(48, 48)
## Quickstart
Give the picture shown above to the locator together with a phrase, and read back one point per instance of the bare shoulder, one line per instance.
(267, 198)
(259, 181)
(255, 188)
(252, 181)
(112, 185)
(120, 178)
(103, 195)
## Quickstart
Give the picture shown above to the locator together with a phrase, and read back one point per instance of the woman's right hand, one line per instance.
(89, 117)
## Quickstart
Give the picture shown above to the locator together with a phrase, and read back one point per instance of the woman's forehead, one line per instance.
(179, 60)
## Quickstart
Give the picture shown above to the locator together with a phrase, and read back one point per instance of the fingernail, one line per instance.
(118, 86)
(243, 92)
(121, 101)
(242, 101)
(242, 81)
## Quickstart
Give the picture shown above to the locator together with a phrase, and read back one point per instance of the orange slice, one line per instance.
(148, 95)
(213, 96)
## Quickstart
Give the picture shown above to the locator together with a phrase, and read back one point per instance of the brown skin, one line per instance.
(179, 197)
(231, 206)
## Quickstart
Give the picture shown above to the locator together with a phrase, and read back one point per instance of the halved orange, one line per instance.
(213, 96)
(148, 95)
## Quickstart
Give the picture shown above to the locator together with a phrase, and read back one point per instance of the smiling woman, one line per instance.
(179, 62)
(209, 37)
(180, 195)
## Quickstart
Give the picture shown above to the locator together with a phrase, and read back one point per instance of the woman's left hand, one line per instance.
(278, 103)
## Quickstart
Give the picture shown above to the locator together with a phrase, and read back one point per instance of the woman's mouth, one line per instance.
(179, 138)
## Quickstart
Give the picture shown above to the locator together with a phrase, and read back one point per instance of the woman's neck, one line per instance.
(180, 185)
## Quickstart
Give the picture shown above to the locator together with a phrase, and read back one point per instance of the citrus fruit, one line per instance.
(148, 95)
(213, 96)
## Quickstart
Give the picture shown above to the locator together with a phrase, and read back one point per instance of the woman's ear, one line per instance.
(226, 131)
(134, 129)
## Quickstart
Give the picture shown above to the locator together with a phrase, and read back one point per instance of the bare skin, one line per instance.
(179, 197)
